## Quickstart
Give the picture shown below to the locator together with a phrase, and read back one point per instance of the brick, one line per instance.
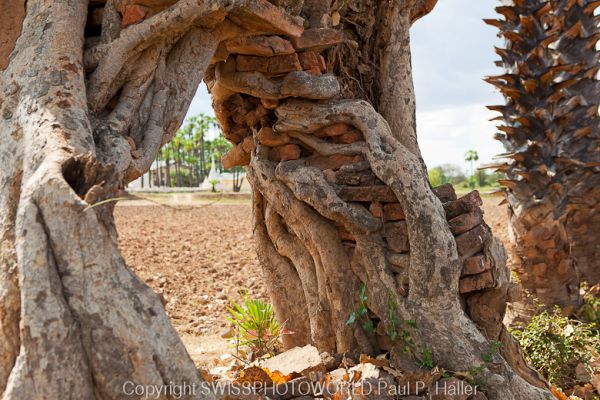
(333, 130)
(465, 222)
(289, 152)
(476, 265)
(309, 60)
(284, 64)
(472, 283)
(465, 204)
(236, 157)
(317, 39)
(348, 137)
(264, 46)
(380, 193)
(314, 71)
(396, 235)
(393, 212)
(248, 144)
(335, 161)
(269, 104)
(471, 242)
(133, 14)
(445, 192)
(361, 178)
(252, 63)
(376, 209)
(268, 137)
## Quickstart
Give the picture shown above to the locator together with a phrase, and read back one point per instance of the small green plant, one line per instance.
(255, 326)
(213, 185)
(393, 317)
(555, 344)
(362, 313)
(492, 351)
(426, 360)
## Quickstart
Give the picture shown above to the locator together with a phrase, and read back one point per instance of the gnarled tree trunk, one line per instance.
(91, 92)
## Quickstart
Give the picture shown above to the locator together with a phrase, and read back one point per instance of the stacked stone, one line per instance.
(247, 115)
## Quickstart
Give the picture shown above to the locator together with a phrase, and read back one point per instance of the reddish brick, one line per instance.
(269, 138)
(393, 212)
(317, 39)
(376, 209)
(465, 204)
(333, 130)
(476, 265)
(133, 14)
(465, 222)
(349, 137)
(284, 64)
(265, 46)
(472, 283)
(289, 152)
(396, 235)
(252, 63)
(309, 59)
(471, 242)
(269, 104)
(379, 193)
(314, 71)
(445, 192)
(248, 144)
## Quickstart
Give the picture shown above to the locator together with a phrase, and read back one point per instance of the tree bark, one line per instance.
(321, 164)
(76, 321)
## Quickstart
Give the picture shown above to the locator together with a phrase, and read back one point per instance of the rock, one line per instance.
(333, 162)
(445, 192)
(348, 137)
(269, 104)
(333, 130)
(476, 265)
(264, 46)
(465, 204)
(471, 242)
(269, 138)
(451, 389)
(472, 283)
(236, 157)
(133, 14)
(465, 222)
(393, 212)
(289, 152)
(300, 360)
(311, 59)
(380, 193)
(317, 39)
(396, 235)
(275, 65)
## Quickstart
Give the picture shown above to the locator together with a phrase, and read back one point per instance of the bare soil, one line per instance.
(199, 254)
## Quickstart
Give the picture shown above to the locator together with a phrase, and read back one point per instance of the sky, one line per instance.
(452, 51)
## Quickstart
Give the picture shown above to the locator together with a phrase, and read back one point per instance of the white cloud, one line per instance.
(446, 134)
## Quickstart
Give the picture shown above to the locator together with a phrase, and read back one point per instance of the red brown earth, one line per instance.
(200, 255)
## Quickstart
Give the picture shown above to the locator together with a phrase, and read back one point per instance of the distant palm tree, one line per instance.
(471, 156)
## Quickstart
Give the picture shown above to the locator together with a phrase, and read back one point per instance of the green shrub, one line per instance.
(255, 326)
(554, 345)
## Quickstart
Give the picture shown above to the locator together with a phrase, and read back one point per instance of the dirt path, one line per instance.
(199, 255)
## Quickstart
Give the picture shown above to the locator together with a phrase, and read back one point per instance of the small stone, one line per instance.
(300, 360)
(133, 14)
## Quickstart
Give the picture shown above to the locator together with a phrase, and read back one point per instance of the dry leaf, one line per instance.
(335, 18)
